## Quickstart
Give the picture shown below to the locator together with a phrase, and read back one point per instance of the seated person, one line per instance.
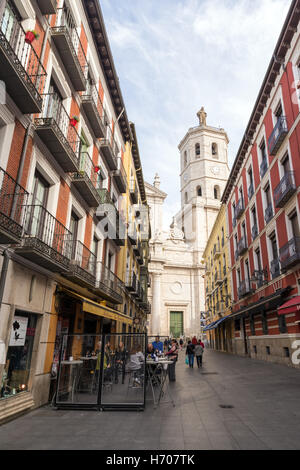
(158, 345)
(135, 364)
(150, 350)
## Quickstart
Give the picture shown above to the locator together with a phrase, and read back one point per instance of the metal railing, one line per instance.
(92, 94)
(13, 200)
(44, 227)
(121, 169)
(106, 278)
(285, 189)
(268, 213)
(110, 140)
(244, 288)
(65, 21)
(240, 207)
(83, 258)
(86, 169)
(54, 111)
(279, 132)
(242, 246)
(12, 38)
(289, 254)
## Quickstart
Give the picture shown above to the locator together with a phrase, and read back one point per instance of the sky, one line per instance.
(175, 56)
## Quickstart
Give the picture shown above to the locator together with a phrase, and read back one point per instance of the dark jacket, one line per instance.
(190, 349)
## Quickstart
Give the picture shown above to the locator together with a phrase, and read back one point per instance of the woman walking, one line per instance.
(199, 353)
(190, 351)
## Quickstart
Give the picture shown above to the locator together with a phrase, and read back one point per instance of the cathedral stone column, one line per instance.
(156, 304)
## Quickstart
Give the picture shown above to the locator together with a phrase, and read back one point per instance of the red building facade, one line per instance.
(262, 198)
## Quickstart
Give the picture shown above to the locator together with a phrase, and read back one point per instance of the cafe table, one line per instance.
(159, 379)
(73, 375)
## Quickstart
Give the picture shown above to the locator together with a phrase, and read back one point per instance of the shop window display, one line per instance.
(15, 377)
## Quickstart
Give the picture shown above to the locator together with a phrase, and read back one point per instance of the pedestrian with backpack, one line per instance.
(190, 352)
(199, 353)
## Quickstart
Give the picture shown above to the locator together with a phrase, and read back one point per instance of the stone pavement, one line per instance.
(265, 414)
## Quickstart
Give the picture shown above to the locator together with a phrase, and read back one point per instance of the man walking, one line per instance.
(190, 351)
(199, 352)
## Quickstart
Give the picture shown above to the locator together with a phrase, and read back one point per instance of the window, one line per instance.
(185, 158)
(16, 374)
(285, 162)
(94, 248)
(294, 224)
(278, 112)
(199, 191)
(74, 232)
(252, 325)
(185, 198)
(274, 249)
(216, 192)
(197, 150)
(214, 149)
(282, 324)
(264, 323)
(263, 152)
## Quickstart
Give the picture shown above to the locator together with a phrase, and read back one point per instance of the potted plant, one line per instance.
(74, 120)
(97, 169)
(31, 36)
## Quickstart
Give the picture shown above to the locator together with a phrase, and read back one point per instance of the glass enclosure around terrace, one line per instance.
(102, 371)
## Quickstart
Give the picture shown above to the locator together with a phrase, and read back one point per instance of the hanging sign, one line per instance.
(18, 332)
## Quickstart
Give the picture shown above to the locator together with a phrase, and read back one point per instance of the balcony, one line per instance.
(244, 288)
(254, 231)
(134, 194)
(112, 223)
(137, 291)
(242, 246)
(217, 250)
(233, 222)
(93, 107)
(285, 189)
(132, 235)
(224, 270)
(85, 181)
(120, 176)
(13, 200)
(68, 44)
(131, 282)
(82, 269)
(275, 268)
(289, 254)
(259, 277)
(250, 190)
(47, 7)
(46, 242)
(21, 70)
(109, 149)
(278, 135)
(54, 129)
(207, 268)
(240, 207)
(218, 278)
(268, 213)
(263, 167)
(108, 285)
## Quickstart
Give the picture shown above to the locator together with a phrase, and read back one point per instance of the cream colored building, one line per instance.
(177, 270)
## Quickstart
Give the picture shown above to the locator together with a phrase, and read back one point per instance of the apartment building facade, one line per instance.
(74, 245)
(262, 200)
(218, 286)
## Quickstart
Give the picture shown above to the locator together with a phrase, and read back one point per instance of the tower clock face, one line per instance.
(215, 170)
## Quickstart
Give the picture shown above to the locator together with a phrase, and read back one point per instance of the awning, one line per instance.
(95, 308)
(291, 306)
(214, 324)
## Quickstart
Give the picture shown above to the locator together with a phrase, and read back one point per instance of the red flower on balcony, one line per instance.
(97, 169)
(30, 36)
(74, 121)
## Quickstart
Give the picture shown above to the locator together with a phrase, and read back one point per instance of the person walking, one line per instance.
(194, 341)
(199, 352)
(181, 343)
(190, 351)
(172, 354)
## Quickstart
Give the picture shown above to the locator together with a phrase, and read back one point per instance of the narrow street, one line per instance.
(264, 413)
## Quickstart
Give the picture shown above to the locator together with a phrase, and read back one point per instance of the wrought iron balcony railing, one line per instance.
(268, 213)
(46, 242)
(69, 46)
(250, 190)
(244, 288)
(285, 189)
(120, 176)
(108, 285)
(254, 231)
(57, 133)
(263, 167)
(47, 7)
(93, 106)
(224, 270)
(240, 207)
(86, 180)
(242, 246)
(217, 250)
(275, 268)
(21, 69)
(218, 278)
(13, 200)
(278, 135)
(133, 191)
(110, 149)
(289, 254)
(82, 269)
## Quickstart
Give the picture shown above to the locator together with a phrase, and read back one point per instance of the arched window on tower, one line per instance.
(199, 191)
(185, 158)
(185, 198)
(216, 192)
(214, 150)
(197, 150)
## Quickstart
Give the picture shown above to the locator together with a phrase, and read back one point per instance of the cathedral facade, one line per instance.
(177, 291)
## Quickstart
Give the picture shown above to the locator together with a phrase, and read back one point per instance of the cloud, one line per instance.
(174, 56)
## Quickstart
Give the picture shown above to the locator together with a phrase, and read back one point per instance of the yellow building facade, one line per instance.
(218, 285)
